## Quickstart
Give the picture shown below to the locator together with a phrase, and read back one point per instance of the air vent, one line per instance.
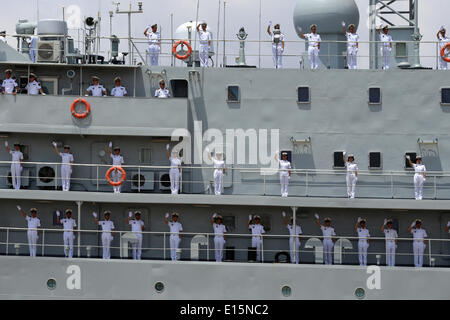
(375, 95)
(303, 95)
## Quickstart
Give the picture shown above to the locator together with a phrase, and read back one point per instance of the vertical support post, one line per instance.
(7, 241)
(259, 39)
(264, 184)
(134, 82)
(79, 203)
(429, 252)
(294, 227)
(207, 247)
(43, 243)
(164, 245)
(392, 186)
(139, 179)
(262, 248)
(373, 34)
(224, 63)
(306, 184)
(56, 177)
(97, 177)
(435, 187)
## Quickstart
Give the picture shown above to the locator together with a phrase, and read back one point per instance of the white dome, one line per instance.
(326, 14)
(181, 33)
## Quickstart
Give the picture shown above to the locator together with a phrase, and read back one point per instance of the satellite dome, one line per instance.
(327, 14)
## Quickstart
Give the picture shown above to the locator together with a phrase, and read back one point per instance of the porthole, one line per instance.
(159, 287)
(286, 291)
(51, 284)
(360, 293)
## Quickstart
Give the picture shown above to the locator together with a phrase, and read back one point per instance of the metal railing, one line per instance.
(237, 180)
(259, 52)
(345, 251)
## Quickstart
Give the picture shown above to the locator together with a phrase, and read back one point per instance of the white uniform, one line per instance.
(219, 166)
(9, 85)
(136, 228)
(277, 50)
(66, 170)
(162, 93)
(442, 43)
(363, 245)
(328, 244)
(204, 39)
(174, 227)
(33, 48)
(294, 242)
(313, 49)
(352, 50)
(153, 47)
(419, 246)
(69, 236)
(16, 168)
(33, 88)
(257, 231)
(419, 179)
(119, 91)
(33, 224)
(219, 240)
(390, 235)
(107, 227)
(284, 166)
(386, 49)
(116, 175)
(3, 39)
(351, 178)
(97, 90)
(174, 174)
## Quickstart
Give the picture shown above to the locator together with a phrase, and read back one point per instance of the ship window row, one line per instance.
(375, 160)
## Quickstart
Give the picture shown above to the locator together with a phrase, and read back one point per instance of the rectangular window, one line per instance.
(375, 95)
(445, 96)
(375, 160)
(179, 88)
(303, 95)
(233, 94)
(412, 155)
(338, 161)
(400, 50)
(145, 155)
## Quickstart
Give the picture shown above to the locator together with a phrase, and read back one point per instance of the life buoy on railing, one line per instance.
(80, 115)
(443, 55)
(108, 176)
(179, 56)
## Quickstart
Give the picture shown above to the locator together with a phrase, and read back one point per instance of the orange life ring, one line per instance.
(108, 176)
(80, 115)
(176, 54)
(444, 57)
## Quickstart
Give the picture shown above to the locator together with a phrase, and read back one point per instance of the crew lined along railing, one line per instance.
(244, 180)
(259, 52)
(200, 246)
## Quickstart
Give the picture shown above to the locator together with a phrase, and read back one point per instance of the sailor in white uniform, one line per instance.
(352, 174)
(118, 90)
(277, 45)
(313, 45)
(443, 41)
(294, 239)
(16, 164)
(32, 44)
(33, 229)
(328, 240)
(69, 226)
(137, 227)
(9, 85)
(219, 171)
(419, 176)
(107, 233)
(3, 36)
(33, 87)
(66, 165)
(419, 243)
(363, 242)
(117, 161)
(284, 166)
(175, 228)
(391, 241)
(204, 38)
(219, 236)
(96, 89)
(162, 92)
(175, 171)
(386, 46)
(154, 44)
(352, 45)
(257, 232)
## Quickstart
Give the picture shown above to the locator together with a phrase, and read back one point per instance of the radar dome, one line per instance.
(327, 14)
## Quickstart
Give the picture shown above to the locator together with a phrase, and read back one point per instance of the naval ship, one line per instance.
(251, 114)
